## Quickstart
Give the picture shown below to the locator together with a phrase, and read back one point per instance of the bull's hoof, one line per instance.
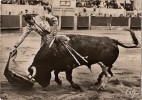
(58, 81)
(97, 83)
(101, 88)
(77, 87)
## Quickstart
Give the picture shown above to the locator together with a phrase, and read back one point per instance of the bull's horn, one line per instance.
(34, 71)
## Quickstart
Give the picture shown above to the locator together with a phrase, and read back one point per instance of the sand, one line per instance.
(124, 85)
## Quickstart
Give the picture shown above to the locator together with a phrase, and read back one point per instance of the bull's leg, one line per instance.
(99, 79)
(57, 80)
(107, 75)
(109, 70)
(101, 75)
(49, 77)
(48, 82)
(69, 78)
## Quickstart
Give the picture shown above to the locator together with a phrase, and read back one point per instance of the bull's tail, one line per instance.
(134, 38)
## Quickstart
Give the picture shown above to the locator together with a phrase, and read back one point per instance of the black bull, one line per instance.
(101, 50)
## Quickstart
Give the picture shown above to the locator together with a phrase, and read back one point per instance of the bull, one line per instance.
(101, 50)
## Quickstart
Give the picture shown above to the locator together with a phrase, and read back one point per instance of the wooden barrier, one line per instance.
(83, 21)
(67, 21)
(99, 21)
(119, 21)
(10, 21)
(135, 22)
(4, 21)
(15, 21)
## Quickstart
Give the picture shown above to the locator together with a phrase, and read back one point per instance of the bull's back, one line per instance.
(96, 48)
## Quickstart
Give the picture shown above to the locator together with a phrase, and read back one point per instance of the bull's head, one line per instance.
(46, 59)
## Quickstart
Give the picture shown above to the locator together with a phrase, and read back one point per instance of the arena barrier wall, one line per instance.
(75, 22)
(67, 21)
(119, 21)
(83, 21)
(10, 21)
(99, 21)
(135, 22)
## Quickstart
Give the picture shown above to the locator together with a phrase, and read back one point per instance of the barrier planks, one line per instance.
(14, 21)
(119, 21)
(135, 22)
(82, 21)
(10, 21)
(100, 21)
(5, 21)
(67, 21)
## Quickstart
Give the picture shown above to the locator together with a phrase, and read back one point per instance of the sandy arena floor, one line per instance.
(124, 85)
